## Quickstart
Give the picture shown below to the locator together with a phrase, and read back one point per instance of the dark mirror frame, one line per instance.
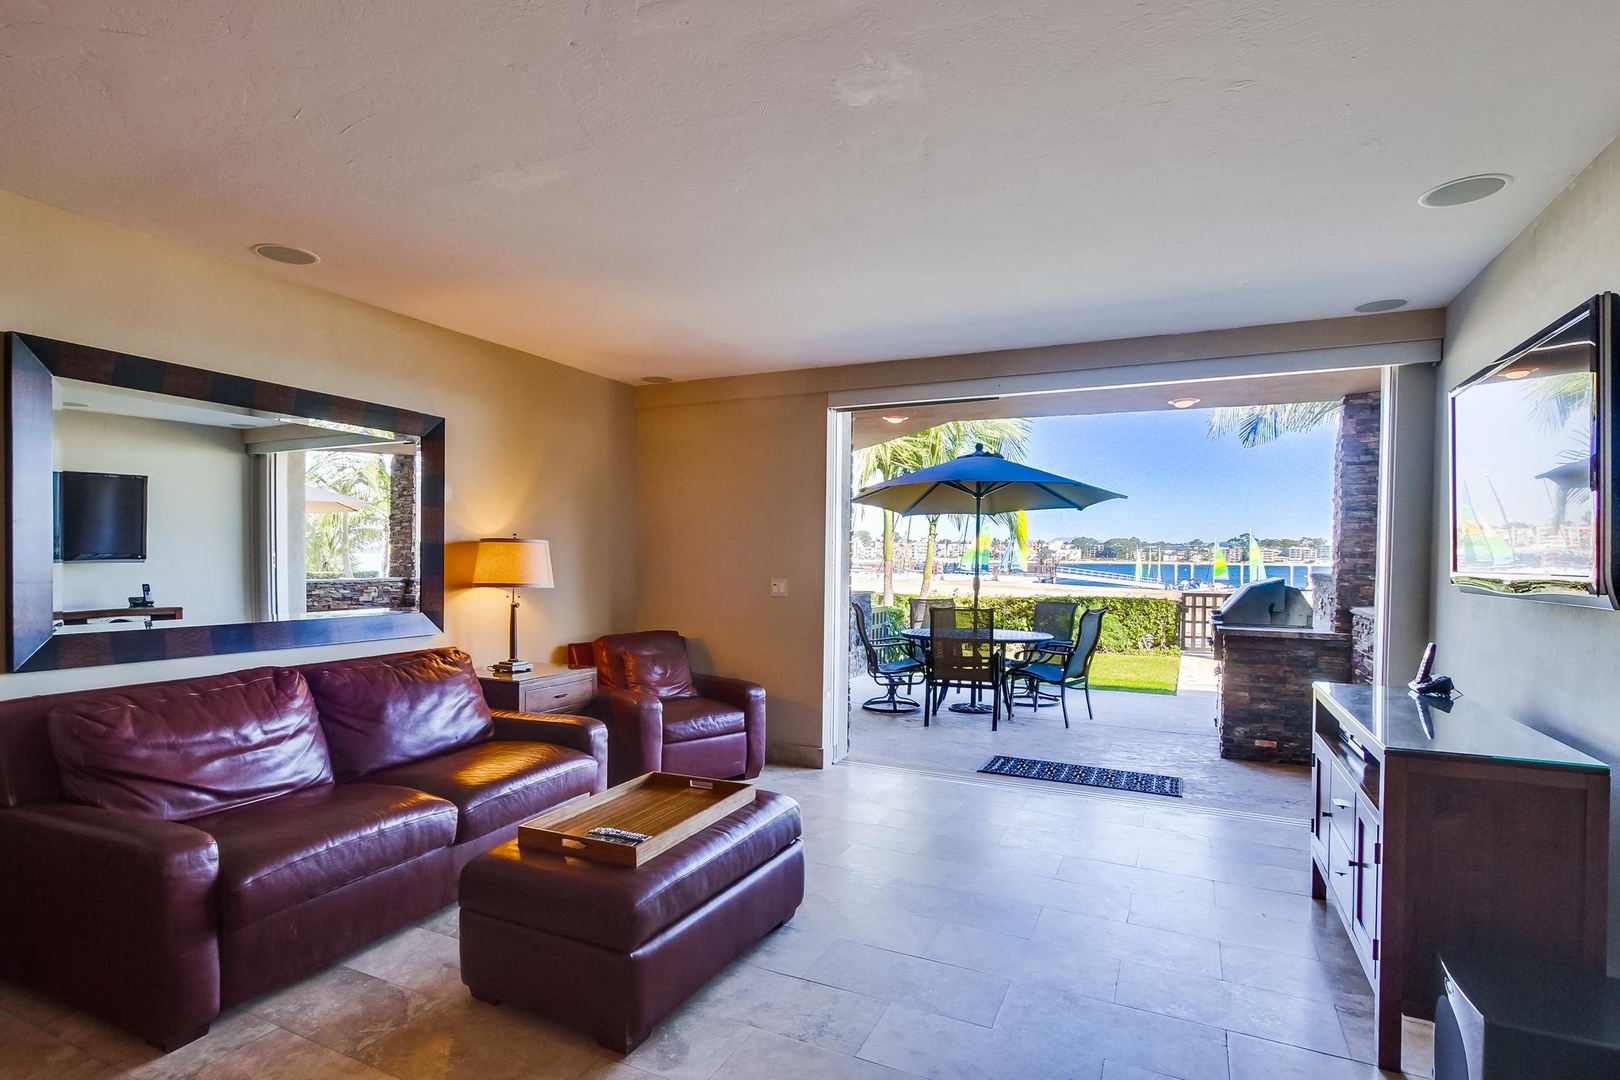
(31, 362)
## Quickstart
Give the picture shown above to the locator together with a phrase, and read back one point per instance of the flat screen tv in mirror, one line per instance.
(100, 517)
(1532, 466)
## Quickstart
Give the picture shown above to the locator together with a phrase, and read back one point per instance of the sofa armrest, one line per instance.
(113, 913)
(635, 730)
(582, 733)
(750, 698)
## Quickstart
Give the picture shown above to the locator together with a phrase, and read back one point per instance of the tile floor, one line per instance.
(1160, 733)
(953, 929)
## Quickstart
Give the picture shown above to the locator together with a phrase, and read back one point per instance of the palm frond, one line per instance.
(1555, 398)
(1256, 425)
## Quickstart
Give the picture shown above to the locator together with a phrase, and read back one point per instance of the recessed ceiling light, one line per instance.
(655, 379)
(1518, 372)
(1465, 189)
(282, 253)
(1373, 306)
(896, 419)
(1184, 402)
(74, 405)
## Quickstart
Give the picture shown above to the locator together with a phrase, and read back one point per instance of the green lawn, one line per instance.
(1142, 673)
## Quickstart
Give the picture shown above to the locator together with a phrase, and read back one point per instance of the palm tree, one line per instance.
(885, 461)
(935, 446)
(1257, 425)
(331, 540)
(1554, 398)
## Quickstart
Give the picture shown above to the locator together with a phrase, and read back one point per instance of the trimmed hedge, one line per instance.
(897, 617)
(1133, 624)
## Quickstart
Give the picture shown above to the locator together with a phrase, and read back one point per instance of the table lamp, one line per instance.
(508, 562)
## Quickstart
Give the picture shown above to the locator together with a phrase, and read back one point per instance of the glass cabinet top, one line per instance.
(1396, 721)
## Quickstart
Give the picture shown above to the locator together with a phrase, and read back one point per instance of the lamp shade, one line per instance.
(512, 563)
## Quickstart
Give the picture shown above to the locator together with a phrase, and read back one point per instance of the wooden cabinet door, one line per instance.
(1367, 865)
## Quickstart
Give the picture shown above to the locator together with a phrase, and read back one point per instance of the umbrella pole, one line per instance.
(978, 508)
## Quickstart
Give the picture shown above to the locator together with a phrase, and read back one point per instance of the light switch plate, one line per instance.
(778, 586)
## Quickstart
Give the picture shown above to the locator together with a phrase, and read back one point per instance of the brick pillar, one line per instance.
(402, 526)
(1355, 507)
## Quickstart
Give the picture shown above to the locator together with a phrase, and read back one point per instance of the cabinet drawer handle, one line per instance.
(554, 696)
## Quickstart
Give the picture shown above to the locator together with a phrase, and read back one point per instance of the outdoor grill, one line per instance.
(1272, 602)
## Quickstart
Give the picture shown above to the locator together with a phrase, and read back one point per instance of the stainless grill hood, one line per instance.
(1272, 602)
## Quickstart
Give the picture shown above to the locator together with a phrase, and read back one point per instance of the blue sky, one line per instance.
(1182, 484)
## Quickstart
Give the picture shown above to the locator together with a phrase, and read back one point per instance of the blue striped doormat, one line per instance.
(1062, 772)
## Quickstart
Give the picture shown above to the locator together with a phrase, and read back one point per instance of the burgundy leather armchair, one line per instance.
(173, 849)
(661, 716)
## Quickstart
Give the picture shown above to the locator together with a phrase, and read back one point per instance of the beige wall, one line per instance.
(197, 551)
(733, 492)
(532, 446)
(1548, 665)
(731, 496)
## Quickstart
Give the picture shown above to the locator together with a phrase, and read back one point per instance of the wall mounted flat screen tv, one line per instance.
(100, 517)
(1532, 466)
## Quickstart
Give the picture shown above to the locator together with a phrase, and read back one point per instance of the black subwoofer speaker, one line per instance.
(1508, 1020)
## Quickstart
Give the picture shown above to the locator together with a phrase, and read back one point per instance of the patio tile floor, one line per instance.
(1157, 733)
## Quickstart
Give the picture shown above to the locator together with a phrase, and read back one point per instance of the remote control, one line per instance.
(618, 836)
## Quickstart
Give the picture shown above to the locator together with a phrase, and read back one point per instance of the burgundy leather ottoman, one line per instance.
(612, 950)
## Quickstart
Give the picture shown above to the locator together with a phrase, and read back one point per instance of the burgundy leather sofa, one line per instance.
(173, 849)
(661, 716)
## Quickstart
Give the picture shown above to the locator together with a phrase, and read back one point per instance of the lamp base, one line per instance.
(512, 667)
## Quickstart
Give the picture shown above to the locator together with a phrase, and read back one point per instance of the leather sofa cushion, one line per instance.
(658, 671)
(387, 710)
(622, 908)
(280, 853)
(177, 750)
(686, 719)
(652, 660)
(496, 784)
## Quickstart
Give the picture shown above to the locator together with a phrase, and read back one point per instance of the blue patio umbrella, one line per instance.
(981, 483)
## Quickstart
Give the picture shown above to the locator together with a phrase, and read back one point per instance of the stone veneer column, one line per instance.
(857, 655)
(402, 526)
(1355, 507)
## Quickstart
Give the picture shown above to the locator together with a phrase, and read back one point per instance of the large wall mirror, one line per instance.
(160, 511)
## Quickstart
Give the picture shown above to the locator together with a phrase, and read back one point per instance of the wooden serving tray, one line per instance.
(667, 806)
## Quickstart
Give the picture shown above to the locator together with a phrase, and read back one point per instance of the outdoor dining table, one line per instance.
(1001, 640)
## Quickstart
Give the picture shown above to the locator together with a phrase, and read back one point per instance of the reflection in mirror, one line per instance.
(176, 511)
(161, 511)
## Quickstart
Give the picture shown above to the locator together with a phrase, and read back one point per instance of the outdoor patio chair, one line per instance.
(1056, 617)
(892, 665)
(962, 653)
(920, 609)
(1073, 673)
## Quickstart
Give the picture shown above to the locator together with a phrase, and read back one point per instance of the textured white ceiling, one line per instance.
(706, 187)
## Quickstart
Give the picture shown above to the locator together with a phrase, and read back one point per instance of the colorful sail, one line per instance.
(1482, 545)
(1220, 569)
(1257, 566)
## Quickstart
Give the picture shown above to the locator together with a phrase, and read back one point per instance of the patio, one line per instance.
(1173, 734)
